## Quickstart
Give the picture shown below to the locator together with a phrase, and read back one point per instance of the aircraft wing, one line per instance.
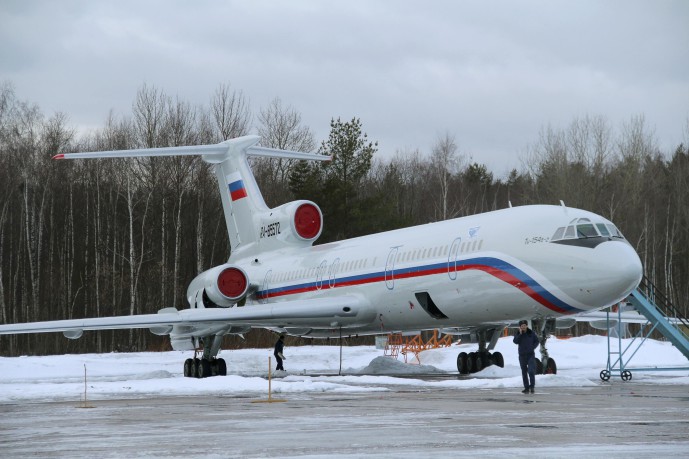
(304, 313)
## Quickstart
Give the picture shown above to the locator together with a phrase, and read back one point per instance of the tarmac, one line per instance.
(616, 419)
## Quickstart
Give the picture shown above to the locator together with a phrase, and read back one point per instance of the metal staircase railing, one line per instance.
(652, 303)
(662, 315)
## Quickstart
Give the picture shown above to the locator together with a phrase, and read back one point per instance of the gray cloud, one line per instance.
(490, 73)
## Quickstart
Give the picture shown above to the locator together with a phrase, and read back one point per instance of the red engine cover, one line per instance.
(232, 283)
(307, 221)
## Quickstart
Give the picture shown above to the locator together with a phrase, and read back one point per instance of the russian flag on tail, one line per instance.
(236, 186)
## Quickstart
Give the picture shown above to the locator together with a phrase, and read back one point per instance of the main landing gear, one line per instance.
(473, 362)
(208, 364)
(203, 368)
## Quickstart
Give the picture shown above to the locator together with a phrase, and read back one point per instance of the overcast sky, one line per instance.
(490, 73)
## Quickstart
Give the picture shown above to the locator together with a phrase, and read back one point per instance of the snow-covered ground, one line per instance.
(313, 369)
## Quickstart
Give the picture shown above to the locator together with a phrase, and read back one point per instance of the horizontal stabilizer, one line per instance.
(212, 153)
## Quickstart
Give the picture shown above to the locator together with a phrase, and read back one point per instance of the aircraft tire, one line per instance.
(204, 369)
(481, 361)
(222, 367)
(463, 363)
(539, 366)
(498, 359)
(189, 368)
(550, 368)
(471, 362)
(197, 367)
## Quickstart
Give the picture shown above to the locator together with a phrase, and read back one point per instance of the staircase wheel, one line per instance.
(626, 375)
(605, 375)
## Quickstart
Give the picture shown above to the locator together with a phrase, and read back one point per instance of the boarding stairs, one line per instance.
(661, 315)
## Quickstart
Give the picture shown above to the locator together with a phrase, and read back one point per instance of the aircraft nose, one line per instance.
(618, 271)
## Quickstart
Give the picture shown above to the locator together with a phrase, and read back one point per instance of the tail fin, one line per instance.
(250, 223)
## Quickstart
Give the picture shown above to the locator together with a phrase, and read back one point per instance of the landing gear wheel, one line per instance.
(196, 367)
(498, 359)
(480, 362)
(222, 367)
(550, 367)
(605, 375)
(539, 366)
(189, 368)
(471, 362)
(463, 363)
(204, 369)
(626, 375)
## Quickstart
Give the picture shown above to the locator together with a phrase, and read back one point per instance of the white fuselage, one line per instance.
(495, 267)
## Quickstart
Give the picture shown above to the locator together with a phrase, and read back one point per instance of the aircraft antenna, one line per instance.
(564, 207)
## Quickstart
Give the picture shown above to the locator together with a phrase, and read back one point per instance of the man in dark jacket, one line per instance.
(279, 346)
(528, 342)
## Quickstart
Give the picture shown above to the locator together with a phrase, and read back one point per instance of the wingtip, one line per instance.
(60, 156)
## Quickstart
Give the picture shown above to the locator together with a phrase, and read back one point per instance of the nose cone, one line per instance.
(615, 273)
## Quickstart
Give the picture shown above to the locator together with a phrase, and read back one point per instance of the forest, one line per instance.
(116, 237)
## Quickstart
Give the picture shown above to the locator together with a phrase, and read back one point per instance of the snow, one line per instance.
(314, 369)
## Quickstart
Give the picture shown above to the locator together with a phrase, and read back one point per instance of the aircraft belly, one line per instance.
(472, 299)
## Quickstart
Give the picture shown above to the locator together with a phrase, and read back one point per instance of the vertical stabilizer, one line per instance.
(241, 198)
(251, 226)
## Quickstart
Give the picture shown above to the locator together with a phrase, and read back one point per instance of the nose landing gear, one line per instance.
(545, 365)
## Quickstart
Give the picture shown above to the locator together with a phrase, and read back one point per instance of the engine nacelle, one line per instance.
(223, 286)
(297, 221)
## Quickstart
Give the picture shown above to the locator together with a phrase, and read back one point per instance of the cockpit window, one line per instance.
(614, 231)
(603, 229)
(584, 228)
(587, 230)
(559, 233)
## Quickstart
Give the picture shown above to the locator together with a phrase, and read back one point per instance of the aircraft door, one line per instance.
(390, 268)
(332, 272)
(452, 257)
(266, 283)
(319, 274)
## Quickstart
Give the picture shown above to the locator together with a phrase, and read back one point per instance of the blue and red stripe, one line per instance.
(497, 268)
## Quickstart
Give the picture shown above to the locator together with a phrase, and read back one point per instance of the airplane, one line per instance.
(471, 277)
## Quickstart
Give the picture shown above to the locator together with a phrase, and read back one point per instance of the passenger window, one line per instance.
(569, 233)
(559, 234)
(603, 230)
(586, 230)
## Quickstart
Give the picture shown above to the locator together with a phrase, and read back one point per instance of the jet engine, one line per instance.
(223, 286)
(299, 222)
